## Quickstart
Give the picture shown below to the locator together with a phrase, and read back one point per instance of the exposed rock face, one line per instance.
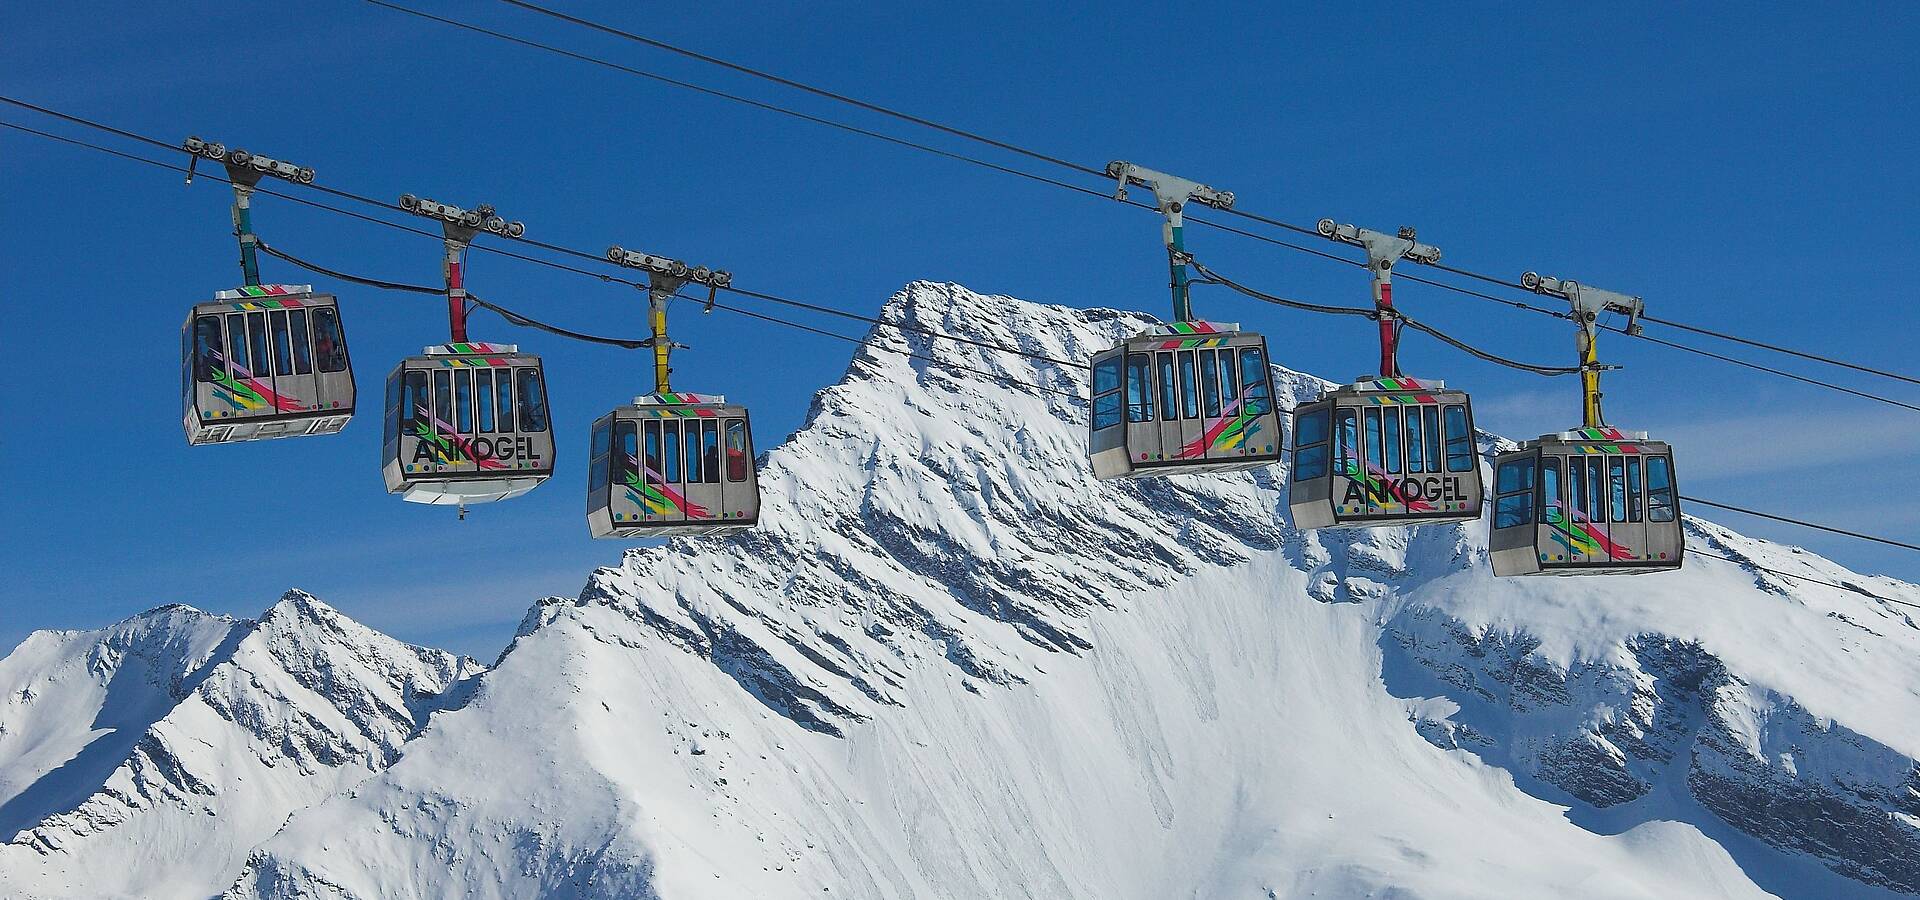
(1667, 713)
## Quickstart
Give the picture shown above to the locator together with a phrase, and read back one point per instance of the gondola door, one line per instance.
(662, 495)
(1548, 541)
(1187, 369)
(419, 448)
(1374, 475)
(631, 489)
(293, 356)
(1626, 520)
(332, 372)
(1666, 541)
(1143, 431)
(1169, 425)
(700, 436)
(1349, 484)
(1588, 535)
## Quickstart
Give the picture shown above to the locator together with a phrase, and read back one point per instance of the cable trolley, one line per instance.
(1594, 500)
(264, 360)
(466, 421)
(673, 463)
(1189, 397)
(1388, 449)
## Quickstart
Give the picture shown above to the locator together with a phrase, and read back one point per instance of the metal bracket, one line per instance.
(667, 276)
(1171, 192)
(461, 226)
(1588, 301)
(243, 169)
(1383, 250)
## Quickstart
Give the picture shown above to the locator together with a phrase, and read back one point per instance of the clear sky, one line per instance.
(1748, 168)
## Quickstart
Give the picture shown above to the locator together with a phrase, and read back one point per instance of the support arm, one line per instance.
(459, 227)
(665, 278)
(244, 171)
(1383, 251)
(1171, 195)
(1588, 303)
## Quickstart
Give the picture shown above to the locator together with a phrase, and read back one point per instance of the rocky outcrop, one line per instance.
(1666, 713)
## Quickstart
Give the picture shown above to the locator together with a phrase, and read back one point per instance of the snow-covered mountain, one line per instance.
(950, 664)
(147, 759)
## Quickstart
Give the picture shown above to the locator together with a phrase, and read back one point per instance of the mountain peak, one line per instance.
(178, 723)
(298, 608)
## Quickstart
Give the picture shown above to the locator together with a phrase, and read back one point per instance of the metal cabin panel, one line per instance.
(1107, 443)
(441, 454)
(1400, 451)
(1179, 399)
(254, 377)
(1513, 542)
(1310, 481)
(679, 464)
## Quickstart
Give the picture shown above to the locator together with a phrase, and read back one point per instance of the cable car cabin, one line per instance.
(672, 464)
(1184, 398)
(467, 423)
(1384, 451)
(265, 361)
(1593, 501)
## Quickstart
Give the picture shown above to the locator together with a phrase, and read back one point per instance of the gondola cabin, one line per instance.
(265, 361)
(672, 464)
(1384, 451)
(467, 423)
(1184, 398)
(1592, 501)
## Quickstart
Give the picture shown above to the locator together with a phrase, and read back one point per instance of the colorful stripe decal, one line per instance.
(656, 496)
(1605, 434)
(467, 348)
(1578, 535)
(1227, 432)
(1399, 399)
(266, 305)
(241, 390)
(1192, 328)
(667, 403)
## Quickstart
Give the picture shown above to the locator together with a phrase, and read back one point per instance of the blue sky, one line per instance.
(1749, 169)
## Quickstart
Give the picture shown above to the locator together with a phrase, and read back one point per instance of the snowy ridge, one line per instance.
(950, 664)
(205, 733)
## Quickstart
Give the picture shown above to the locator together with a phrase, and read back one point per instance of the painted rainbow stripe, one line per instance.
(1577, 534)
(1227, 432)
(1394, 383)
(1606, 434)
(1192, 328)
(473, 348)
(1410, 391)
(670, 404)
(266, 305)
(263, 290)
(657, 496)
(241, 390)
